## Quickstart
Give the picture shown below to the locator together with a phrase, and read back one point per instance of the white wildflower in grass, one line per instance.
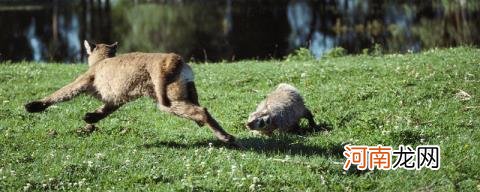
(99, 155)
(243, 156)
(255, 180)
(81, 182)
(252, 187)
(27, 187)
(183, 181)
(90, 163)
(234, 169)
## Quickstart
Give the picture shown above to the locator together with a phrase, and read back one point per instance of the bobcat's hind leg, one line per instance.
(161, 92)
(165, 75)
(192, 93)
(200, 114)
(81, 84)
(100, 113)
(193, 98)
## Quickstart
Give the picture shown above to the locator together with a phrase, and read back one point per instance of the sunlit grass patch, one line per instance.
(410, 99)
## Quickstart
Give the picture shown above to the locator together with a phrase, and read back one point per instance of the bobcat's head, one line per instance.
(98, 52)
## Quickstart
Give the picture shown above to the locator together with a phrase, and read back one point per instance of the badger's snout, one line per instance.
(250, 125)
(256, 124)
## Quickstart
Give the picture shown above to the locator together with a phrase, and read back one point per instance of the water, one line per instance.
(230, 30)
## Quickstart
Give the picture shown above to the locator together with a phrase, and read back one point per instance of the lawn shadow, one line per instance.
(290, 146)
(320, 127)
(287, 145)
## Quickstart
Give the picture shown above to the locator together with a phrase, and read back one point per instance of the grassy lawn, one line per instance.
(364, 100)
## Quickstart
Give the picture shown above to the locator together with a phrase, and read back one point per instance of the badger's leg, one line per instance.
(81, 84)
(308, 115)
(295, 129)
(101, 113)
(268, 132)
(200, 114)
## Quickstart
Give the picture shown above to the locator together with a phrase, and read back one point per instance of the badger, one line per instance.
(282, 109)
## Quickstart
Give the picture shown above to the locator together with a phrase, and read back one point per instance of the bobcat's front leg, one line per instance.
(100, 113)
(81, 84)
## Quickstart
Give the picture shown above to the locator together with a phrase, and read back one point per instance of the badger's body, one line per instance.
(282, 109)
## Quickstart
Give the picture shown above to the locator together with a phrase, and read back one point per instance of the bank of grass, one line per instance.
(364, 100)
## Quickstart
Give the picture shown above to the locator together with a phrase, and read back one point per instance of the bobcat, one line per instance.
(116, 80)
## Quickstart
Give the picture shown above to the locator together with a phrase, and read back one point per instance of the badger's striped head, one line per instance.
(258, 121)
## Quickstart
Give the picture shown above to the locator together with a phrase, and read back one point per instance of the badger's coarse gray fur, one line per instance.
(282, 109)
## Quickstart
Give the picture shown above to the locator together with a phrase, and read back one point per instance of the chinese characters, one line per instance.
(380, 157)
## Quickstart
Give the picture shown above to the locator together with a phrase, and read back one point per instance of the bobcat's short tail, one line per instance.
(187, 74)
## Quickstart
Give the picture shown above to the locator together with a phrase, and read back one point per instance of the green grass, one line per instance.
(389, 100)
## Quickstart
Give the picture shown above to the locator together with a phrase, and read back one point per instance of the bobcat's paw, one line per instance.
(166, 103)
(92, 118)
(35, 106)
(227, 138)
(234, 143)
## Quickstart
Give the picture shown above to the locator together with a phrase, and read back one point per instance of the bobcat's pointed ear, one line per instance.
(88, 46)
(114, 45)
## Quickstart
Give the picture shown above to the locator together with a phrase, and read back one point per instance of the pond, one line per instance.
(229, 30)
